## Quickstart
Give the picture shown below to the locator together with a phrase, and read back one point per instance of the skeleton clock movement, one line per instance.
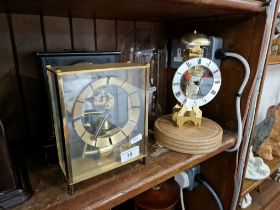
(195, 83)
(96, 112)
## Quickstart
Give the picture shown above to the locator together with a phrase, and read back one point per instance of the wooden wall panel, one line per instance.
(28, 39)
(33, 33)
(57, 33)
(83, 34)
(218, 171)
(159, 35)
(11, 110)
(124, 30)
(236, 34)
(106, 35)
(144, 25)
(143, 33)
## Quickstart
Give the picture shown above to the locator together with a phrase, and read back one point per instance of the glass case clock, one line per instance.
(100, 117)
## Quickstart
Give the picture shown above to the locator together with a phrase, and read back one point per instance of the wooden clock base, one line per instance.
(189, 138)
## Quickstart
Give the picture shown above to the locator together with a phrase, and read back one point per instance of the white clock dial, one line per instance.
(196, 82)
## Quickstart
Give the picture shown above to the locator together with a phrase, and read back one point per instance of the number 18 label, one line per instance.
(129, 154)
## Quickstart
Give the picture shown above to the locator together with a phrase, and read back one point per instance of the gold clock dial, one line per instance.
(106, 111)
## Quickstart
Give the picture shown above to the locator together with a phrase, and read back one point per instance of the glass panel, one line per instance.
(56, 118)
(105, 117)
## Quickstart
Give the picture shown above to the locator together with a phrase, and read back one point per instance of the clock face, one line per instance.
(106, 111)
(196, 82)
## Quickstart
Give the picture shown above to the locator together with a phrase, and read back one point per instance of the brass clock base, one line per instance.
(183, 114)
(188, 139)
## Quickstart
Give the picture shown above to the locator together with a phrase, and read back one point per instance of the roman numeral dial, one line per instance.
(196, 82)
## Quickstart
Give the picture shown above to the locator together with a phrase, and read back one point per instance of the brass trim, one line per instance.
(134, 99)
(102, 142)
(128, 88)
(64, 70)
(128, 127)
(117, 137)
(83, 95)
(111, 166)
(146, 110)
(98, 83)
(115, 81)
(58, 133)
(77, 111)
(134, 113)
(65, 127)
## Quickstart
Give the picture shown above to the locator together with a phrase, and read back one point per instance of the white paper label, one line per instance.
(129, 154)
(136, 138)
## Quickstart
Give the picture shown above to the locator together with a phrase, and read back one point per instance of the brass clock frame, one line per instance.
(62, 132)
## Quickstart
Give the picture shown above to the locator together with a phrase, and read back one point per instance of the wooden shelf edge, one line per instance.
(273, 60)
(159, 10)
(250, 185)
(267, 199)
(112, 192)
(242, 5)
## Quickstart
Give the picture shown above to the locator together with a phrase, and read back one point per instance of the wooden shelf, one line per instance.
(250, 185)
(129, 9)
(273, 60)
(110, 189)
(268, 198)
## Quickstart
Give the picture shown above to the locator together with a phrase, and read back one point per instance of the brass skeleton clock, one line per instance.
(100, 117)
(195, 83)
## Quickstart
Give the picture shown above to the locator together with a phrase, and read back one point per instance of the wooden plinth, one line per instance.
(188, 139)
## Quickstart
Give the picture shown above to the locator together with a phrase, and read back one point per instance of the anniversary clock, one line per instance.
(100, 117)
(195, 83)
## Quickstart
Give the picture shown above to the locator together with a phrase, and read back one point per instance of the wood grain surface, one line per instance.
(239, 22)
(83, 34)
(28, 39)
(249, 185)
(11, 105)
(57, 33)
(125, 29)
(266, 198)
(137, 10)
(115, 187)
(106, 35)
(188, 138)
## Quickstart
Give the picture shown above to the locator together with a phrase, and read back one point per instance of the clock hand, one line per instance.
(98, 129)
